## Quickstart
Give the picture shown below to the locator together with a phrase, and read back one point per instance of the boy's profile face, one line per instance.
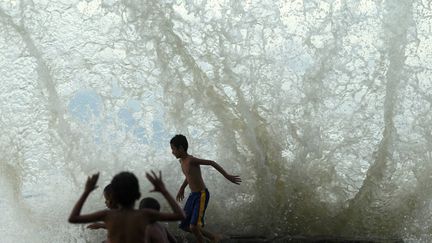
(176, 151)
(108, 201)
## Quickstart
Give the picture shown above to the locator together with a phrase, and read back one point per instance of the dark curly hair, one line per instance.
(125, 189)
(150, 203)
(180, 140)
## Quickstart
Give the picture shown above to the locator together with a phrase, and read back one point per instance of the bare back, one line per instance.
(192, 174)
(126, 226)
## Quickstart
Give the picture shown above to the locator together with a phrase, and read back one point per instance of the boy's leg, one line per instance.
(213, 237)
(197, 217)
(200, 233)
(197, 232)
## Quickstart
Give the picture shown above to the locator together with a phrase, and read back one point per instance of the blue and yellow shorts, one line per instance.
(194, 209)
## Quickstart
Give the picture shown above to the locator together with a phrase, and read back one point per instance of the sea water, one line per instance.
(322, 107)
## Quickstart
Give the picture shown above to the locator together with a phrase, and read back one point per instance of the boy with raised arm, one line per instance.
(197, 201)
(109, 202)
(125, 224)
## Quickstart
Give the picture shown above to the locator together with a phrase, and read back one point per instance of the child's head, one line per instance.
(150, 203)
(125, 189)
(179, 145)
(108, 195)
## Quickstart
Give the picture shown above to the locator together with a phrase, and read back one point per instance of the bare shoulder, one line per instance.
(194, 160)
(104, 214)
(200, 161)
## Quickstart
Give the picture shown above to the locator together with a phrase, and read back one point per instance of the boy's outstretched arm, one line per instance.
(180, 194)
(160, 187)
(75, 216)
(233, 178)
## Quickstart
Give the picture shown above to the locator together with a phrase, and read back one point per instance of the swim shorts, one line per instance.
(194, 209)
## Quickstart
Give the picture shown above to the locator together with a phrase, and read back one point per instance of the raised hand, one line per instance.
(91, 182)
(156, 181)
(234, 179)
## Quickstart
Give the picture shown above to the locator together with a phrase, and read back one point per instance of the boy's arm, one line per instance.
(160, 187)
(95, 226)
(233, 178)
(75, 216)
(180, 194)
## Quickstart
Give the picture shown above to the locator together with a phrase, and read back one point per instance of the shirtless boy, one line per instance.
(197, 201)
(125, 224)
(155, 232)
